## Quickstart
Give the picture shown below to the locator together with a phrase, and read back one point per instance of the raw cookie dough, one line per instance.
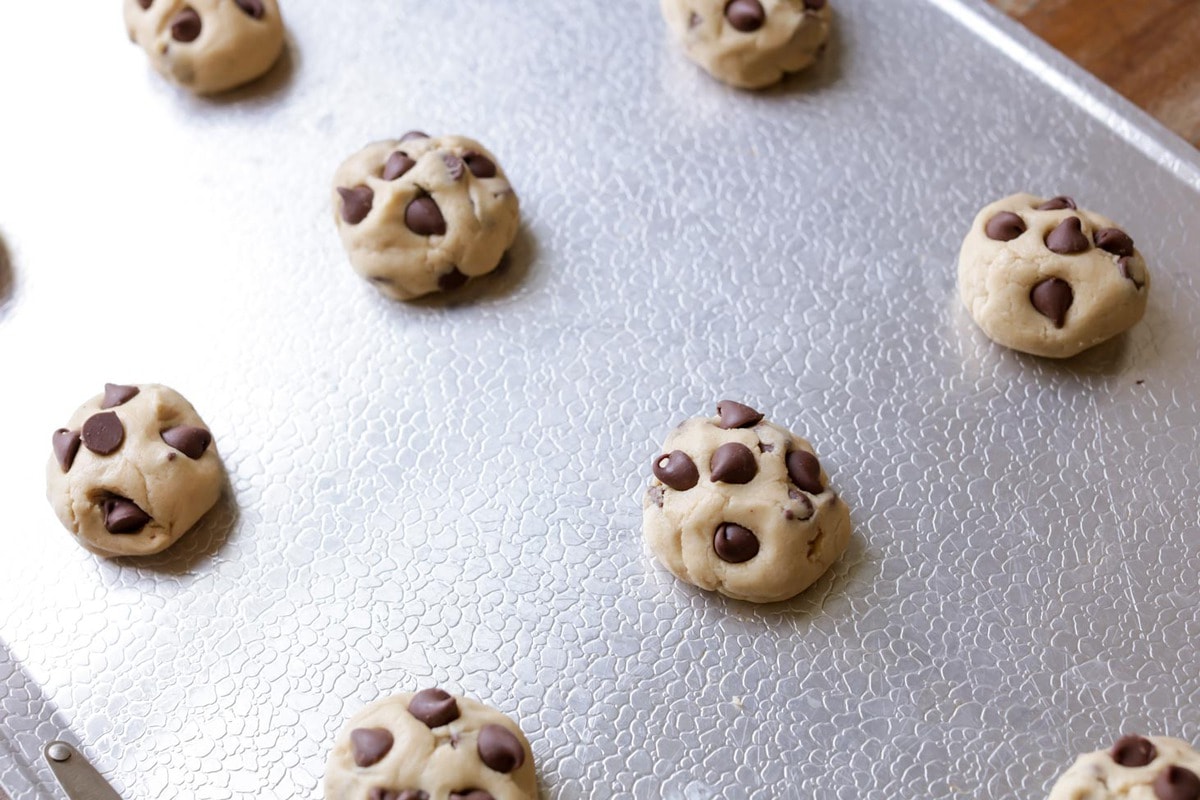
(742, 507)
(750, 43)
(420, 214)
(1136, 768)
(133, 470)
(207, 45)
(430, 746)
(1045, 277)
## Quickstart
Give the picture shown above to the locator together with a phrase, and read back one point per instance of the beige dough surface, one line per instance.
(800, 533)
(481, 214)
(996, 279)
(234, 46)
(1096, 776)
(172, 487)
(426, 763)
(790, 39)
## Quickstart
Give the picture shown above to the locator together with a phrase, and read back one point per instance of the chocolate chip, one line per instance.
(145, 4)
(1067, 239)
(733, 462)
(801, 509)
(735, 415)
(253, 8)
(185, 27)
(471, 794)
(66, 445)
(677, 470)
(434, 707)
(370, 745)
(379, 793)
(356, 203)
(190, 441)
(1177, 783)
(1133, 751)
(122, 515)
(1115, 241)
(1124, 264)
(397, 164)
(694, 20)
(656, 495)
(746, 16)
(500, 749)
(1058, 203)
(480, 165)
(1052, 297)
(1004, 227)
(408, 137)
(424, 218)
(814, 5)
(454, 279)
(103, 433)
(454, 165)
(734, 543)
(117, 395)
(805, 471)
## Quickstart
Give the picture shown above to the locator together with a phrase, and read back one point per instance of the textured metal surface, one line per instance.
(449, 494)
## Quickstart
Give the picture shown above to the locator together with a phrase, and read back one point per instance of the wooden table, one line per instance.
(1148, 50)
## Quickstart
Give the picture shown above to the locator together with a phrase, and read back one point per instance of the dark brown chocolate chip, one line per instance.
(1004, 227)
(733, 462)
(1067, 239)
(370, 745)
(397, 164)
(253, 8)
(735, 415)
(1058, 204)
(1115, 241)
(117, 395)
(454, 279)
(471, 794)
(677, 470)
(185, 27)
(1177, 783)
(814, 5)
(500, 749)
(734, 543)
(746, 16)
(103, 433)
(480, 165)
(145, 4)
(66, 445)
(694, 20)
(454, 165)
(434, 707)
(424, 218)
(1133, 751)
(1127, 271)
(189, 440)
(408, 137)
(805, 471)
(379, 793)
(1052, 297)
(122, 515)
(356, 203)
(656, 495)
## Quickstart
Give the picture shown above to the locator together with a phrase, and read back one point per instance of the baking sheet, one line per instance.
(449, 493)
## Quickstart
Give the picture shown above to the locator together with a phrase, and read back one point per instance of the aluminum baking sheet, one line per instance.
(449, 492)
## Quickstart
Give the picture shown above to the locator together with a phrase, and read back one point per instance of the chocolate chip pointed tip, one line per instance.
(733, 463)
(499, 749)
(677, 470)
(66, 447)
(370, 745)
(434, 707)
(397, 165)
(1053, 298)
(736, 415)
(356, 203)
(188, 439)
(1067, 238)
(116, 394)
(735, 544)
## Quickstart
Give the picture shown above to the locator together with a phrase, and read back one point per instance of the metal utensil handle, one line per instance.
(78, 778)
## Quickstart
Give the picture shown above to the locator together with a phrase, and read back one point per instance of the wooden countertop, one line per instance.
(1148, 50)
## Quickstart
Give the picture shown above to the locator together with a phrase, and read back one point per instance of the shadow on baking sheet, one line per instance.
(203, 542)
(513, 271)
(278, 78)
(30, 721)
(826, 72)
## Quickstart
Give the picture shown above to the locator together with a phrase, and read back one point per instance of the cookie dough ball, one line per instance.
(1136, 768)
(133, 470)
(208, 46)
(750, 43)
(1048, 278)
(430, 746)
(420, 214)
(742, 507)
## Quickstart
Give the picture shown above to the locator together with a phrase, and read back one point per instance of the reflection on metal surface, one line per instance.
(78, 778)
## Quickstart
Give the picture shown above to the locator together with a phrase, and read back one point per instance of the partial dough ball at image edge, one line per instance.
(133, 470)
(1045, 277)
(207, 46)
(740, 506)
(1150, 767)
(750, 44)
(421, 214)
(430, 745)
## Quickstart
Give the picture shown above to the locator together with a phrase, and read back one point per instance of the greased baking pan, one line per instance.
(449, 492)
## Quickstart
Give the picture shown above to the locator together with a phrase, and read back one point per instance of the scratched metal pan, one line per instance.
(449, 492)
